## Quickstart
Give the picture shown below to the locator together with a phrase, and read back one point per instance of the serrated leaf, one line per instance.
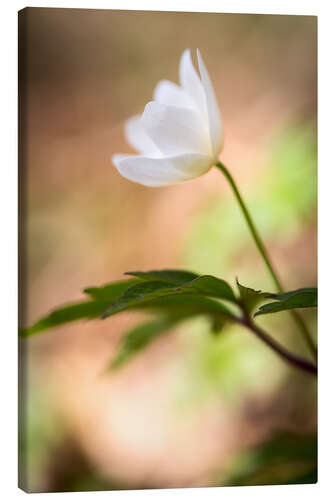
(148, 291)
(138, 293)
(205, 284)
(144, 294)
(301, 298)
(210, 286)
(139, 337)
(174, 306)
(172, 276)
(308, 295)
(250, 297)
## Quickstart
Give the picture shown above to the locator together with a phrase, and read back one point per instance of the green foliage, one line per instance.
(285, 459)
(139, 337)
(177, 293)
(174, 295)
(301, 298)
(187, 304)
(111, 291)
(175, 277)
(147, 291)
(210, 286)
(66, 314)
(187, 281)
(138, 293)
(250, 297)
(80, 310)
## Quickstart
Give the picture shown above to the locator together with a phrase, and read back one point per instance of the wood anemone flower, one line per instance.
(179, 135)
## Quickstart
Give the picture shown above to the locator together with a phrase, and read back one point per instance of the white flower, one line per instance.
(179, 135)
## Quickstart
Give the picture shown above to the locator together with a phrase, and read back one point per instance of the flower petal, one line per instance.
(176, 130)
(191, 83)
(215, 124)
(138, 138)
(155, 172)
(170, 94)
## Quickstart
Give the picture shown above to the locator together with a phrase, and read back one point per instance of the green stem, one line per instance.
(265, 256)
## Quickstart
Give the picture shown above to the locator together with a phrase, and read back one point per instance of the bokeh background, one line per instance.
(192, 409)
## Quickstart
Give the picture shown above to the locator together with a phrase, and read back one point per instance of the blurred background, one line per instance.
(192, 409)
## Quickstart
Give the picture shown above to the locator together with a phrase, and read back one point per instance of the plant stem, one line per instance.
(260, 245)
(281, 351)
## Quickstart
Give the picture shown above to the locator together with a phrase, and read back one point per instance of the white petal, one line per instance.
(191, 83)
(215, 124)
(155, 172)
(176, 130)
(138, 138)
(170, 94)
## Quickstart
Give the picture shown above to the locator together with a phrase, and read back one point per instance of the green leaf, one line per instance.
(139, 337)
(143, 293)
(175, 293)
(65, 314)
(173, 276)
(140, 292)
(250, 297)
(174, 306)
(191, 305)
(205, 284)
(301, 298)
(210, 286)
(109, 292)
(147, 291)
(80, 310)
